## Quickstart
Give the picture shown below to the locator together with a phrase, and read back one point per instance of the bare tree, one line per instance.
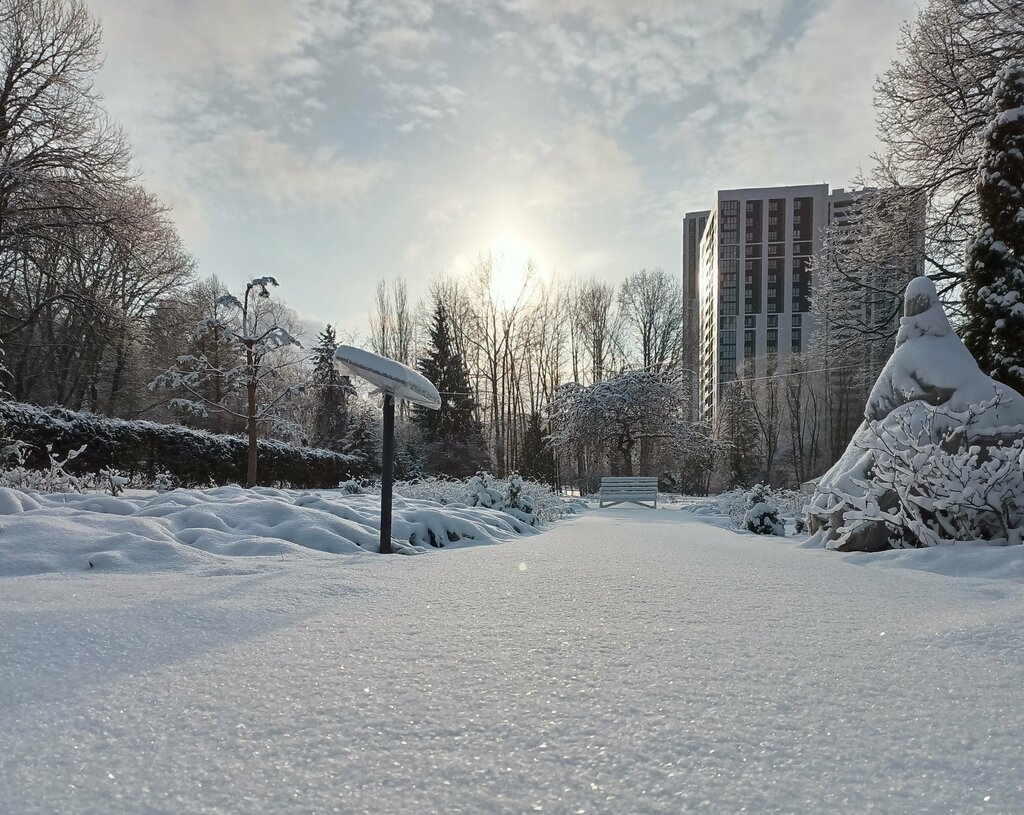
(58, 150)
(933, 104)
(651, 308)
(598, 326)
(761, 385)
(804, 416)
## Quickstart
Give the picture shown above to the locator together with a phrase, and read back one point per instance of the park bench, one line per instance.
(633, 490)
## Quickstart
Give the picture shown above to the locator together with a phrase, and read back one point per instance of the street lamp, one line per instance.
(395, 381)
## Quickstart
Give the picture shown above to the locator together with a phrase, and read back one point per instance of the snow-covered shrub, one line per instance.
(115, 481)
(737, 505)
(934, 481)
(141, 448)
(731, 503)
(350, 487)
(529, 501)
(485, 491)
(164, 482)
(934, 461)
(762, 514)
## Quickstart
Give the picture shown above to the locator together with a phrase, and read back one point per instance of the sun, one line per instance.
(511, 255)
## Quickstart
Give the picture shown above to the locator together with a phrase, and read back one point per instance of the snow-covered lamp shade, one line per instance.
(389, 376)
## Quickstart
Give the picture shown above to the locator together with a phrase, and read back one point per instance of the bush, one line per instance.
(737, 505)
(938, 477)
(529, 501)
(140, 449)
(762, 514)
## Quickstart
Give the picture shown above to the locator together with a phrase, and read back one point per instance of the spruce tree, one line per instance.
(453, 435)
(363, 439)
(443, 366)
(538, 459)
(330, 392)
(994, 284)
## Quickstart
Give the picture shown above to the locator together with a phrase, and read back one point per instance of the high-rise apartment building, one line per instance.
(693, 230)
(754, 281)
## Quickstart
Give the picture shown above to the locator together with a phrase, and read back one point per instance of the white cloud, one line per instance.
(285, 175)
(583, 167)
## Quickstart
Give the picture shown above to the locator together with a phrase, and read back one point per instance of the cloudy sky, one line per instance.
(331, 143)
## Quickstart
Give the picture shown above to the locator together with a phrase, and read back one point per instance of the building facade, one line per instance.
(754, 281)
(694, 224)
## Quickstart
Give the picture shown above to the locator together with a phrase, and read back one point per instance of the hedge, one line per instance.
(193, 457)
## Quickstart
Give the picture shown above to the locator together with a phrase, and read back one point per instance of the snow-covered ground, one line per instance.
(629, 661)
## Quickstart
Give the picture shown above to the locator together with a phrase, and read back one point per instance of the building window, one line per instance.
(749, 343)
(796, 341)
(750, 321)
(796, 321)
(773, 341)
(773, 320)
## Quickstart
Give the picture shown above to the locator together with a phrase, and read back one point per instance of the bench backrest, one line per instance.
(625, 485)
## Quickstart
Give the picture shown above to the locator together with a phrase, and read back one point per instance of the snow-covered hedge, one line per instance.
(938, 457)
(144, 449)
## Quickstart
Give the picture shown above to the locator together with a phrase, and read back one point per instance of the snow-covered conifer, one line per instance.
(994, 285)
(453, 433)
(331, 392)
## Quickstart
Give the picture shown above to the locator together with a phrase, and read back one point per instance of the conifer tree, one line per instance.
(363, 439)
(538, 458)
(453, 434)
(994, 285)
(331, 391)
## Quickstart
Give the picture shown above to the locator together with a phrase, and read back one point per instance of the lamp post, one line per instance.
(396, 382)
(387, 474)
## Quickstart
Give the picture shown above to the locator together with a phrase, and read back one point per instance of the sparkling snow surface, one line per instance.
(631, 661)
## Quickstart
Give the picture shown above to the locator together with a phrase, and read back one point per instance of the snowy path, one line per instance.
(640, 663)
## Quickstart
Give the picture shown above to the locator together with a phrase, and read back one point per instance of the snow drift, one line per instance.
(185, 529)
(932, 414)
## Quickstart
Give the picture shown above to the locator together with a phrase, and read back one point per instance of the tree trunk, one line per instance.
(250, 390)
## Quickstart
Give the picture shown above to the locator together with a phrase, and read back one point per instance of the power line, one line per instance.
(796, 373)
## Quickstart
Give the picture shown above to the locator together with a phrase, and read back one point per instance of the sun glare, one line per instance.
(511, 255)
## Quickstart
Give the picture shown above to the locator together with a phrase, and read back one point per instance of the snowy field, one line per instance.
(629, 661)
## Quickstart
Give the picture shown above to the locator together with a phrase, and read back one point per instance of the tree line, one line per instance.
(101, 309)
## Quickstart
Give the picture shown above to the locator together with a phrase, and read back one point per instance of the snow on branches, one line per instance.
(622, 411)
(933, 483)
(238, 368)
(938, 457)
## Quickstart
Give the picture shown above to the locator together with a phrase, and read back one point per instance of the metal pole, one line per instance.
(387, 474)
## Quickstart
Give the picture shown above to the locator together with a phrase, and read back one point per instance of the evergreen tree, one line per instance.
(737, 431)
(538, 457)
(453, 434)
(994, 285)
(331, 391)
(363, 439)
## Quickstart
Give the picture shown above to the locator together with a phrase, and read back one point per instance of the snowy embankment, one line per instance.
(189, 529)
(632, 661)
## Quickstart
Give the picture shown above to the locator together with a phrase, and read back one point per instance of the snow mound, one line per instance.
(206, 529)
(930, 385)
